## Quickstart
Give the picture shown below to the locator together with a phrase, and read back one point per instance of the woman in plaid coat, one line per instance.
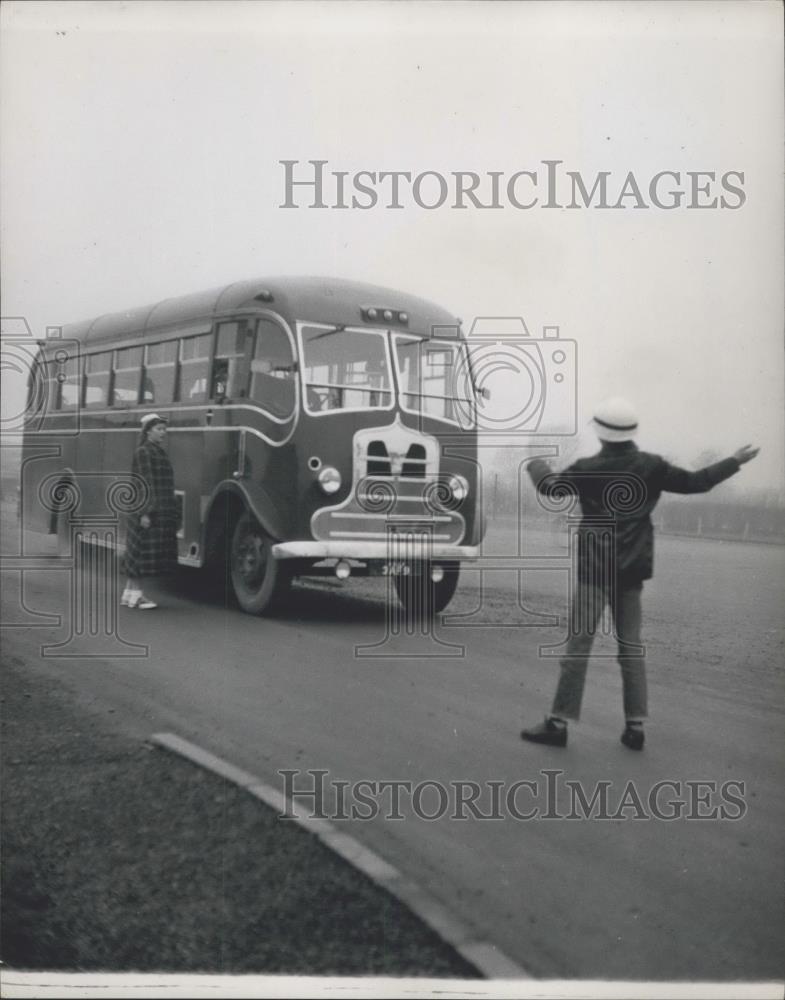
(151, 545)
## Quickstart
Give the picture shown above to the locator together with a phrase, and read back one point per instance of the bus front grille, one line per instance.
(385, 505)
(378, 461)
(395, 490)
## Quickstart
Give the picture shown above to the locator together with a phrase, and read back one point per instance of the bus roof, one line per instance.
(323, 300)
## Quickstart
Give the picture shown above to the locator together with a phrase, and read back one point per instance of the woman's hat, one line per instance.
(615, 420)
(150, 419)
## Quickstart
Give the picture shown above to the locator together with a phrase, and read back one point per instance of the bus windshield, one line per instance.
(345, 369)
(435, 378)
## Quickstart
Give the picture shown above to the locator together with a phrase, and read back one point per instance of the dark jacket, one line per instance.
(618, 488)
(153, 551)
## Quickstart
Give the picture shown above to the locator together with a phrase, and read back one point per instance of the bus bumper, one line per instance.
(365, 551)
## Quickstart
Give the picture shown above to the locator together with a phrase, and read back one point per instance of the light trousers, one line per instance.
(586, 608)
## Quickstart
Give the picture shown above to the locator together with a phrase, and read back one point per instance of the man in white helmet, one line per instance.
(618, 488)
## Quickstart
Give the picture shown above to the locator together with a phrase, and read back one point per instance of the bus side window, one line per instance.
(228, 363)
(71, 386)
(52, 384)
(98, 374)
(194, 368)
(273, 370)
(127, 375)
(160, 368)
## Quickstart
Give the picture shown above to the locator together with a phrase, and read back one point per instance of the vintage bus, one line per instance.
(316, 427)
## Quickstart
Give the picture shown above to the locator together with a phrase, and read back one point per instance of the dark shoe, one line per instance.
(633, 737)
(547, 732)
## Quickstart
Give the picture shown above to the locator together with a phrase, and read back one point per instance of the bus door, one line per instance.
(95, 453)
(225, 416)
(272, 391)
(187, 437)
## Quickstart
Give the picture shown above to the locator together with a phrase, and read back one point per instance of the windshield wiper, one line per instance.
(327, 333)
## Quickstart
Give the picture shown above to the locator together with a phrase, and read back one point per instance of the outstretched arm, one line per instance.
(676, 480)
(545, 480)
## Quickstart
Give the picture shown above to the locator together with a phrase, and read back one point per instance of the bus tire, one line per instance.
(417, 600)
(258, 579)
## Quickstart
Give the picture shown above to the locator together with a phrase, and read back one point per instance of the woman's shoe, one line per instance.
(136, 599)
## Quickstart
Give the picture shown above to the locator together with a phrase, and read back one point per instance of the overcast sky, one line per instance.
(141, 148)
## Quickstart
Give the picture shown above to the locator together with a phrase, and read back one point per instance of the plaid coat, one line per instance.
(153, 551)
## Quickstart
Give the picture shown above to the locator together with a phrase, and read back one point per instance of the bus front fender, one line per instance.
(256, 499)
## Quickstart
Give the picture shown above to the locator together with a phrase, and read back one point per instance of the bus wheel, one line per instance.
(420, 595)
(258, 579)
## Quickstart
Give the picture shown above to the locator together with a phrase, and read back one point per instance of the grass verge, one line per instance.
(119, 857)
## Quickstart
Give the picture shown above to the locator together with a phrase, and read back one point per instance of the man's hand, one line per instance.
(144, 520)
(745, 454)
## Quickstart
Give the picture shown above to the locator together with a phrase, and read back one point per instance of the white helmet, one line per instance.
(615, 420)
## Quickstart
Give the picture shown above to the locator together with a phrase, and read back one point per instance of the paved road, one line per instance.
(590, 898)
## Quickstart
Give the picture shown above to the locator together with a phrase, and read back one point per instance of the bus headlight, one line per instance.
(459, 488)
(329, 479)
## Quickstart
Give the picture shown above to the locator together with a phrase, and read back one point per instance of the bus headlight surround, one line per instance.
(447, 493)
(329, 479)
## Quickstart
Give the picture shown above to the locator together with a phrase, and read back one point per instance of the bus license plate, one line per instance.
(396, 569)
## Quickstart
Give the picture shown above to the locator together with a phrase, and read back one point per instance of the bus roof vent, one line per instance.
(264, 296)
